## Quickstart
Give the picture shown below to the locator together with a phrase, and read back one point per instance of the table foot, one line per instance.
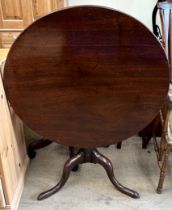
(69, 165)
(106, 163)
(88, 156)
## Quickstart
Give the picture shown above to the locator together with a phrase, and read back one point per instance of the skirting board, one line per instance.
(17, 196)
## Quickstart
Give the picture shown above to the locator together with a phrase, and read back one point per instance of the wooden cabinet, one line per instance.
(15, 15)
(13, 155)
(42, 7)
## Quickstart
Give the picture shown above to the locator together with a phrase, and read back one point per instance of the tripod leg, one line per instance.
(69, 165)
(71, 154)
(106, 163)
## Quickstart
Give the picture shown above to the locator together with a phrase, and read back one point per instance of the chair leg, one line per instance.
(154, 128)
(118, 145)
(163, 169)
(161, 148)
(35, 145)
(145, 141)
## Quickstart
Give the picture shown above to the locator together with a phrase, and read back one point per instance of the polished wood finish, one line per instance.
(72, 152)
(88, 156)
(86, 76)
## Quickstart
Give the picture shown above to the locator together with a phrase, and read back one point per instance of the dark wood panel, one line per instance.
(86, 76)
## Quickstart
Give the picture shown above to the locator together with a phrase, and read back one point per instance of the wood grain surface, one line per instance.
(86, 76)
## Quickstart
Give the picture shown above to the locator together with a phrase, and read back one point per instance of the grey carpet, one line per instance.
(89, 188)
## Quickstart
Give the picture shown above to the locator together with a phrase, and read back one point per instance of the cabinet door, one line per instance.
(15, 15)
(42, 7)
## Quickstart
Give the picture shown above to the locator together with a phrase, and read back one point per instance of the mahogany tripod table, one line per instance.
(86, 77)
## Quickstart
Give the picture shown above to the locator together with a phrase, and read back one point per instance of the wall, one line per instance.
(141, 10)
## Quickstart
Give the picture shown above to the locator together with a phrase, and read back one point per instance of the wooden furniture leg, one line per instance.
(163, 148)
(35, 145)
(163, 169)
(118, 145)
(147, 132)
(69, 165)
(146, 135)
(88, 156)
(71, 154)
(145, 141)
(71, 151)
(106, 163)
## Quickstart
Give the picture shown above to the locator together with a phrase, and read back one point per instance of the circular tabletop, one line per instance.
(86, 76)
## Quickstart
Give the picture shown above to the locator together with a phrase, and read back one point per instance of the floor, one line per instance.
(89, 188)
